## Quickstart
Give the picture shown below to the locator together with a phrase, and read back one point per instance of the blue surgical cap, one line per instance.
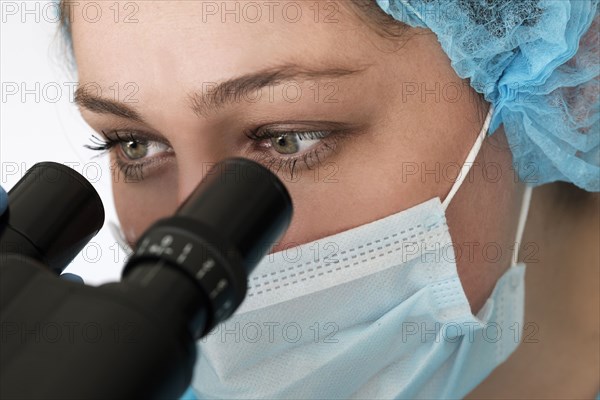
(537, 62)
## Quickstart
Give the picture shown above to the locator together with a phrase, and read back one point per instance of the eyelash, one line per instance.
(310, 158)
(133, 171)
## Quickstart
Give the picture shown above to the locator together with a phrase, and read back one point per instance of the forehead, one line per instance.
(209, 40)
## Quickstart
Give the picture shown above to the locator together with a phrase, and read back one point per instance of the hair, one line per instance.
(381, 22)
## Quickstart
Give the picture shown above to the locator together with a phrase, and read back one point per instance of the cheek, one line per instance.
(362, 183)
(482, 219)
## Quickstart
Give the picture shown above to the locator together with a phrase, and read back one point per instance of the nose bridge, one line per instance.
(193, 172)
(189, 177)
(199, 145)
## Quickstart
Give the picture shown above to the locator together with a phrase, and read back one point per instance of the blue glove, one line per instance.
(67, 276)
(3, 200)
(188, 395)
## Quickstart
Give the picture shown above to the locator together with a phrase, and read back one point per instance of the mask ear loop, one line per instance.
(522, 220)
(412, 9)
(470, 159)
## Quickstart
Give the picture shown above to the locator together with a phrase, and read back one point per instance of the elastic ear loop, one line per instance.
(522, 220)
(412, 9)
(470, 159)
(465, 171)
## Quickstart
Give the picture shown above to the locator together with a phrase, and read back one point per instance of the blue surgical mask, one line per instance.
(373, 312)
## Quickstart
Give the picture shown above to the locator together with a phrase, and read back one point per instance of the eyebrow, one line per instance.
(219, 94)
(232, 90)
(98, 104)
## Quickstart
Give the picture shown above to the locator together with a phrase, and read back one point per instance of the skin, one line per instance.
(171, 52)
(559, 357)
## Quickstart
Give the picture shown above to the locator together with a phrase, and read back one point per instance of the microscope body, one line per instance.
(65, 340)
(133, 338)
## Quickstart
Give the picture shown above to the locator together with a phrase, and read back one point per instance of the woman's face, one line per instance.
(386, 123)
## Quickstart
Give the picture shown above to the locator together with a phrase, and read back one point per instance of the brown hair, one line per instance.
(381, 22)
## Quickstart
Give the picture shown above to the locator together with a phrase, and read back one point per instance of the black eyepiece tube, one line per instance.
(263, 207)
(216, 238)
(53, 212)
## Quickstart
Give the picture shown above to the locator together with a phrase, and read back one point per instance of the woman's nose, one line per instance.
(199, 148)
(193, 172)
(190, 178)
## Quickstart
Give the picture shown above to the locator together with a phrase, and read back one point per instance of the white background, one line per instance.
(40, 123)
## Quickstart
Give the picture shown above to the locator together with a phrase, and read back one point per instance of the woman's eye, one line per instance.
(133, 153)
(295, 142)
(290, 144)
(288, 149)
(137, 149)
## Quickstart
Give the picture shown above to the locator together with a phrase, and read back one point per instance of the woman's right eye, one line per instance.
(131, 147)
(133, 153)
(137, 149)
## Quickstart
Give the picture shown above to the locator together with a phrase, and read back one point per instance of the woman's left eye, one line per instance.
(288, 149)
(294, 143)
